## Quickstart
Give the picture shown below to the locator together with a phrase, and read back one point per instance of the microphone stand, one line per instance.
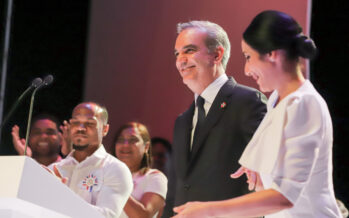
(29, 120)
(35, 83)
(47, 80)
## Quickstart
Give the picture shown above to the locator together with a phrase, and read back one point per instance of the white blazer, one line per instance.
(292, 150)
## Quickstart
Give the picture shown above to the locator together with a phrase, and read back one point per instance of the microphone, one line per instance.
(34, 84)
(46, 81)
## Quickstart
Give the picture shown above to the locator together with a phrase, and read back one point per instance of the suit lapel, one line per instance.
(218, 106)
(185, 129)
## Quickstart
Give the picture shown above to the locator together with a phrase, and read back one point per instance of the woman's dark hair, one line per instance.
(272, 30)
(146, 160)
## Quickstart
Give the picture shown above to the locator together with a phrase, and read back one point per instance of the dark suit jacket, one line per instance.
(204, 173)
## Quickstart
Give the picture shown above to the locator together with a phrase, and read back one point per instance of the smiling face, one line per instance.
(195, 63)
(259, 68)
(130, 148)
(44, 138)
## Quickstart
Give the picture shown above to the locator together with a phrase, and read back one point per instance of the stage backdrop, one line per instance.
(131, 64)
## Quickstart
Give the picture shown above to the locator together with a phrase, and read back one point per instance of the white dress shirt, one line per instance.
(209, 94)
(292, 150)
(100, 179)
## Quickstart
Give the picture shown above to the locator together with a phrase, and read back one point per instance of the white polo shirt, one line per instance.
(100, 179)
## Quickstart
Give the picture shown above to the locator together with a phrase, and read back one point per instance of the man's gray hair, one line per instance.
(216, 36)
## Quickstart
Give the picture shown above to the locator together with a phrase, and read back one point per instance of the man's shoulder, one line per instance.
(232, 85)
(110, 160)
(246, 92)
(115, 170)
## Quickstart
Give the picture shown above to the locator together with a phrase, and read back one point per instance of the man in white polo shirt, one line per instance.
(92, 173)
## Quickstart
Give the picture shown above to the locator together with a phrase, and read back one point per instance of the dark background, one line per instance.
(47, 37)
(329, 73)
(50, 37)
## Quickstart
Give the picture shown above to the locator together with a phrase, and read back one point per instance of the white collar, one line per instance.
(97, 155)
(211, 91)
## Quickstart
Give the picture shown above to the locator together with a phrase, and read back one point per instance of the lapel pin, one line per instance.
(223, 104)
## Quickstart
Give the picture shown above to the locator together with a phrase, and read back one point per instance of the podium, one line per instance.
(27, 190)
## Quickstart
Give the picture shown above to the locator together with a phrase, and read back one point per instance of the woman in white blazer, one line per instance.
(289, 159)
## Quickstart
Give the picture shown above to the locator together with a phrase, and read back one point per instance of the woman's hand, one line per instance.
(253, 179)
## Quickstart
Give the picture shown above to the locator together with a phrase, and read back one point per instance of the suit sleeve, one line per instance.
(168, 210)
(252, 114)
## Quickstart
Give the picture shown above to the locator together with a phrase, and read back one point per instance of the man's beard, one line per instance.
(80, 147)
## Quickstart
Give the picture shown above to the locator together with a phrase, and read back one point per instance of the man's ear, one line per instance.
(218, 54)
(105, 129)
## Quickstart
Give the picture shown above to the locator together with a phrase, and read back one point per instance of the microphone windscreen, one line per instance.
(48, 80)
(36, 82)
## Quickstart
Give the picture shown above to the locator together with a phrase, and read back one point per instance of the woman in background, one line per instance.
(133, 147)
(289, 158)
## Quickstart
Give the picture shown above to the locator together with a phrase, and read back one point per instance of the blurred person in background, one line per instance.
(46, 144)
(161, 153)
(133, 147)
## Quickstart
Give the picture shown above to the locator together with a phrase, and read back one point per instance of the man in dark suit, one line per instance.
(211, 135)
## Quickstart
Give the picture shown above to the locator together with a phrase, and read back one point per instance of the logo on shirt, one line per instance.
(89, 182)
